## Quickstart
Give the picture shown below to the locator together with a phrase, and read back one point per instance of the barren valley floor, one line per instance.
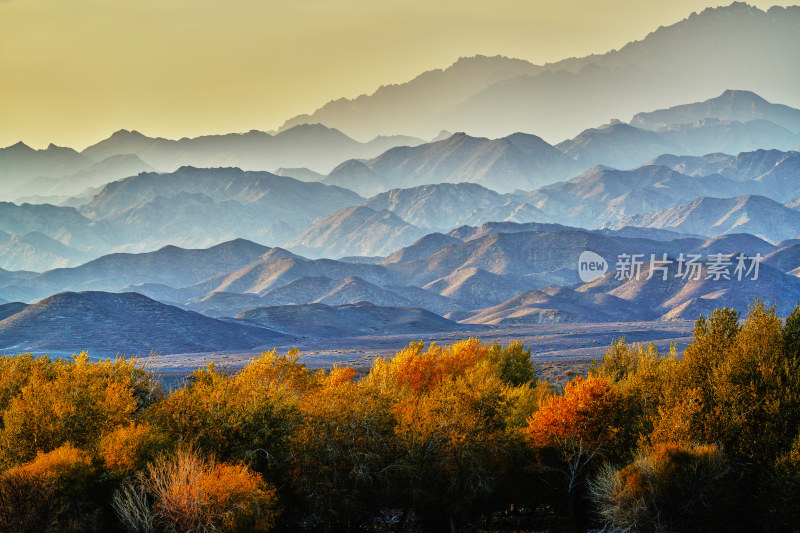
(560, 350)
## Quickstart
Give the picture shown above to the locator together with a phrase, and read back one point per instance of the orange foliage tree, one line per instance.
(72, 401)
(573, 432)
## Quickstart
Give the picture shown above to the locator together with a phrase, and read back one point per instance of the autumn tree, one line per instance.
(57, 491)
(574, 433)
(342, 452)
(73, 401)
(248, 416)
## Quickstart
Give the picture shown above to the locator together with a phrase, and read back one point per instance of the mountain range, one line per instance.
(58, 173)
(756, 215)
(185, 245)
(736, 46)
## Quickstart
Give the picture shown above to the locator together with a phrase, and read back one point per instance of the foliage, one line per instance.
(673, 488)
(70, 401)
(56, 491)
(190, 493)
(435, 438)
(576, 431)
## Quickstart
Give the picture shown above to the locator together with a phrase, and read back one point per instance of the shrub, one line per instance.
(186, 492)
(673, 488)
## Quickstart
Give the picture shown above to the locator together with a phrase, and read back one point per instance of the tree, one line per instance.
(56, 491)
(73, 401)
(574, 432)
(342, 451)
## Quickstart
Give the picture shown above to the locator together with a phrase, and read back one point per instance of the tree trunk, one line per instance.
(575, 512)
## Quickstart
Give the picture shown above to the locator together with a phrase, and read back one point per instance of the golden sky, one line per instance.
(74, 71)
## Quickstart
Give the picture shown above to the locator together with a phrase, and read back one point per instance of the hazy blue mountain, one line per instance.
(624, 146)
(466, 233)
(731, 243)
(752, 165)
(38, 252)
(353, 231)
(171, 266)
(352, 289)
(261, 277)
(445, 206)
(199, 207)
(736, 46)
(676, 298)
(424, 247)
(20, 164)
(616, 145)
(603, 194)
(554, 305)
(736, 105)
(8, 309)
(693, 165)
(405, 107)
(306, 145)
(786, 259)
(76, 188)
(713, 135)
(519, 161)
(63, 224)
(302, 173)
(349, 320)
(474, 287)
(752, 214)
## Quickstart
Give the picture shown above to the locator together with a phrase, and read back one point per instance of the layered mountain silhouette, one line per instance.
(349, 320)
(737, 46)
(192, 245)
(497, 274)
(445, 206)
(604, 194)
(756, 215)
(307, 145)
(355, 230)
(731, 105)
(150, 210)
(519, 161)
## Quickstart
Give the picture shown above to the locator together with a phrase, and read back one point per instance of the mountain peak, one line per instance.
(126, 133)
(20, 146)
(741, 95)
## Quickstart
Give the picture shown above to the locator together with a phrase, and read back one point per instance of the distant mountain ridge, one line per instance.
(742, 106)
(518, 161)
(735, 46)
(752, 214)
(306, 145)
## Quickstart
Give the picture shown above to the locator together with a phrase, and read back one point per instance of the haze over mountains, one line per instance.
(732, 47)
(273, 237)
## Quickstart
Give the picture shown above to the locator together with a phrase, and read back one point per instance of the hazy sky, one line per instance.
(74, 71)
